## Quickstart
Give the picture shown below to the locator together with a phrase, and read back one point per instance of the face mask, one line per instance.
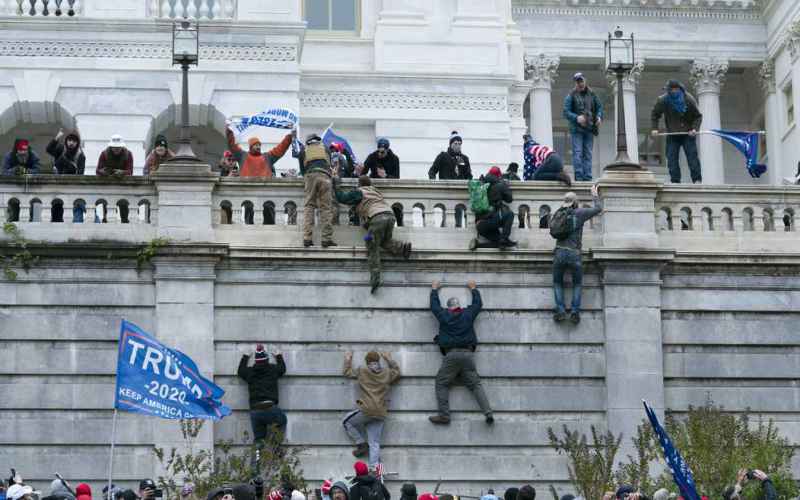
(374, 367)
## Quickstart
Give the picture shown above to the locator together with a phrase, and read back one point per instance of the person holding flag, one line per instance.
(682, 118)
(254, 163)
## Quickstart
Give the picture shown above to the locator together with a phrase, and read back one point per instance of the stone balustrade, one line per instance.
(43, 8)
(193, 9)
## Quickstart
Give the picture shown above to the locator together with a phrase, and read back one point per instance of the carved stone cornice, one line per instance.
(144, 50)
(766, 76)
(708, 76)
(392, 100)
(630, 81)
(793, 44)
(683, 10)
(542, 70)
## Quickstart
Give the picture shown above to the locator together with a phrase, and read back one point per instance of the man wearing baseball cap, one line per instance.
(21, 160)
(116, 159)
(584, 112)
(495, 225)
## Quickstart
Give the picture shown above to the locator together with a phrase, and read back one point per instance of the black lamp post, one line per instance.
(185, 51)
(619, 53)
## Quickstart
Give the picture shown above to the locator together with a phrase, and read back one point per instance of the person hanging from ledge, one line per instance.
(262, 386)
(682, 118)
(160, 154)
(457, 341)
(566, 226)
(254, 163)
(116, 160)
(451, 164)
(365, 424)
(494, 223)
(379, 220)
(547, 164)
(21, 160)
(318, 191)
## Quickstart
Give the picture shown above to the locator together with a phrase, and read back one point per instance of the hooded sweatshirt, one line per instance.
(257, 165)
(84, 492)
(374, 387)
(67, 161)
(674, 120)
(11, 161)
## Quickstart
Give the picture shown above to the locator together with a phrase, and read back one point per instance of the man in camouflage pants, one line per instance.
(377, 216)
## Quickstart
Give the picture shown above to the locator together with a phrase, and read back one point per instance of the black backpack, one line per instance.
(372, 491)
(562, 223)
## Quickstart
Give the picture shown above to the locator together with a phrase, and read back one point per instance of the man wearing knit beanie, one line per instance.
(262, 384)
(451, 164)
(527, 492)
(366, 486)
(365, 424)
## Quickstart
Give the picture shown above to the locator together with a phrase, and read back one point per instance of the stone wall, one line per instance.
(673, 316)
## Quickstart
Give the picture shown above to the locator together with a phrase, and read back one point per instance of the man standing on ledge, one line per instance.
(584, 112)
(451, 164)
(682, 118)
(457, 341)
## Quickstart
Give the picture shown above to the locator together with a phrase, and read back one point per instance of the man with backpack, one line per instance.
(566, 226)
(366, 486)
(488, 199)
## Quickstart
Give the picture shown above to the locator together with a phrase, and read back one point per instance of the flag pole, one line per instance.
(760, 132)
(111, 459)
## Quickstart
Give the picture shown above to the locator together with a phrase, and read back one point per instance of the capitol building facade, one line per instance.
(409, 70)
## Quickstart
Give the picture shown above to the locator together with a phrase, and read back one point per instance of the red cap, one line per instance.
(22, 144)
(428, 496)
(495, 171)
(326, 486)
(227, 154)
(361, 468)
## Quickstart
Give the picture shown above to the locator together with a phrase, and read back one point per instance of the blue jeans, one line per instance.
(582, 143)
(263, 420)
(77, 212)
(689, 145)
(564, 260)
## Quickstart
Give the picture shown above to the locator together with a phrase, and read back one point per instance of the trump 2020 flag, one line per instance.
(681, 473)
(155, 380)
(329, 137)
(271, 118)
(747, 143)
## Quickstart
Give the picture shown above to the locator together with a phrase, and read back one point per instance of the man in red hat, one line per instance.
(366, 486)
(21, 160)
(495, 225)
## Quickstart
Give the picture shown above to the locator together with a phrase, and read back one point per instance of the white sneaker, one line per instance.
(788, 181)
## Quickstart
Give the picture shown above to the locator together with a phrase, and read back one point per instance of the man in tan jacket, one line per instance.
(378, 218)
(365, 425)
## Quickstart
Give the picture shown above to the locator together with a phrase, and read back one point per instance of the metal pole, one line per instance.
(111, 459)
(185, 104)
(622, 137)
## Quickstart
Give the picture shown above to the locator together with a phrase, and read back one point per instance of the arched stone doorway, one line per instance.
(207, 126)
(37, 122)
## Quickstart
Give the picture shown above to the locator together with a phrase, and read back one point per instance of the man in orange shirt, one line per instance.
(254, 163)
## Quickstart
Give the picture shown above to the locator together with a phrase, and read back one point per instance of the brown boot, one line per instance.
(362, 449)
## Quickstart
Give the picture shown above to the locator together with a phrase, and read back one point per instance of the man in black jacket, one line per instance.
(457, 341)
(366, 486)
(495, 225)
(382, 163)
(451, 164)
(262, 384)
(682, 117)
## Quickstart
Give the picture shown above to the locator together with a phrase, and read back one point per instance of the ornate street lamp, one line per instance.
(185, 51)
(619, 52)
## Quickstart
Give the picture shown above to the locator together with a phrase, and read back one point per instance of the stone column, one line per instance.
(775, 168)
(708, 77)
(185, 201)
(517, 125)
(542, 70)
(629, 85)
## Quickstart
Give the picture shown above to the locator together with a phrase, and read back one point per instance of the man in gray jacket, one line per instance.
(567, 255)
(682, 118)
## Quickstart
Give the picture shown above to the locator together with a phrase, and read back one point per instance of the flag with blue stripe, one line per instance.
(747, 143)
(329, 137)
(681, 473)
(156, 380)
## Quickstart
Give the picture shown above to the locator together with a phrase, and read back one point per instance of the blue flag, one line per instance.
(329, 137)
(681, 473)
(747, 143)
(155, 380)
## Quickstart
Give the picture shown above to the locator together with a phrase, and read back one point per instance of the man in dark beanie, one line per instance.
(512, 172)
(365, 425)
(527, 492)
(379, 220)
(683, 118)
(451, 164)
(160, 154)
(511, 494)
(408, 492)
(457, 341)
(262, 384)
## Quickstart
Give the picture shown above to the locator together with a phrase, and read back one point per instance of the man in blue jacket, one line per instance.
(457, 341)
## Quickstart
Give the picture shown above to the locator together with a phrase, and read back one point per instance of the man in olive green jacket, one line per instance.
(365, 425)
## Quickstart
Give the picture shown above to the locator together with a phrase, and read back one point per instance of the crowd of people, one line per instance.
(366, 484)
